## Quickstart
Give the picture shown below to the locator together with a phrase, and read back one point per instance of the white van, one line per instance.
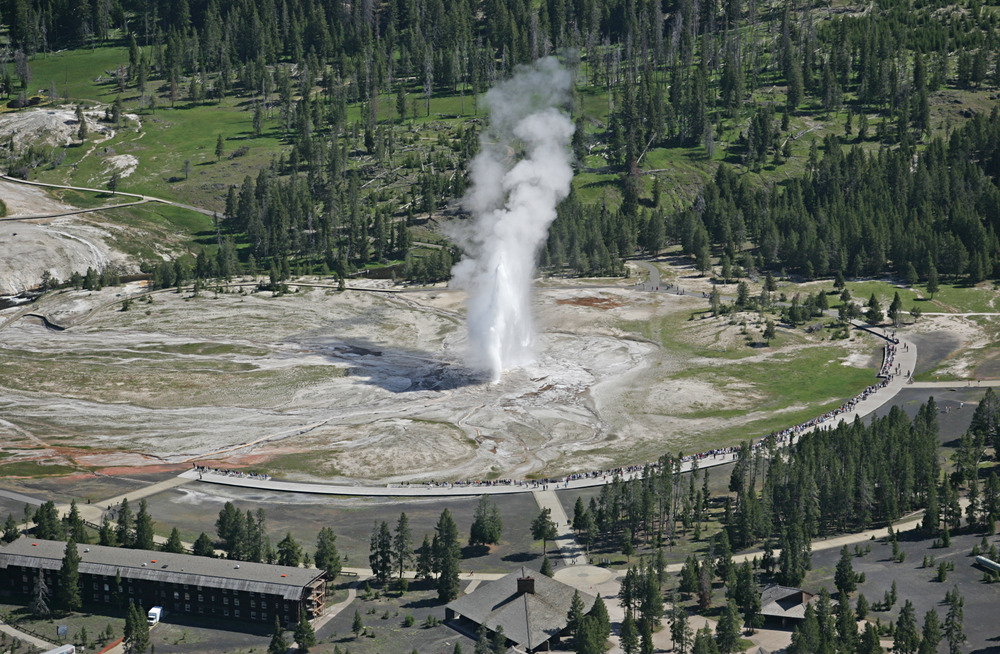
(154, 615)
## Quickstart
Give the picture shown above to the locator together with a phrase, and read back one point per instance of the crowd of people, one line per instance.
(231, 473)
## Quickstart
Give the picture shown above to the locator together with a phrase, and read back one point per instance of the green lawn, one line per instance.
(950, 298)
(800, 377)
(33, 469)
(73, 72)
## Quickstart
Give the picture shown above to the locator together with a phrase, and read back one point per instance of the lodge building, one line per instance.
(180, 583)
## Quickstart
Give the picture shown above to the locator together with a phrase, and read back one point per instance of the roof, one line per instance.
(528, 619)
(285, 581)
(784, 602)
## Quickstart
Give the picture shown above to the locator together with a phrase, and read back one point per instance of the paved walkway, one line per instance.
(957, 384)
(94, 513)
(569, 550)
(28, 638)
(334, 610)
(19, 497)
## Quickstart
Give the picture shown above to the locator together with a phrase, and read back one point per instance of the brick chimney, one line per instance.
(525, 585)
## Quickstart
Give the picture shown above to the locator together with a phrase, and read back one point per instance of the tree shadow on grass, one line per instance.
(475, 551)
(425, 603)
(520, 557)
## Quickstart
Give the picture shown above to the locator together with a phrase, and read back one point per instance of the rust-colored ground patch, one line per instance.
(596, 302)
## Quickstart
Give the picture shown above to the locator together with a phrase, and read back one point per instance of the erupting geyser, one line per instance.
(519, 176)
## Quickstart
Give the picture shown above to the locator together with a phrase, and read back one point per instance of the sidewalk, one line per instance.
(569, 549)
(28, 638)
(94, 513)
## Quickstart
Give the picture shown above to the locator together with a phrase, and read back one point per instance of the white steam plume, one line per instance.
(521, 173)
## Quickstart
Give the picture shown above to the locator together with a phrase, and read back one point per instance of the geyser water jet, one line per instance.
(523, 170)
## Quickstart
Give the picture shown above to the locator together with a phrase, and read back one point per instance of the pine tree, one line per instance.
(931, 633)
(289, 551)
(546, 568)
(75, 527)
(543, 528)
(327, 557)
(47, 523)
(357, 625)
(304, 635)
(68, 595)
(874, 313)
(106, 533)
(11, 531)
(174, 543)
(844, 578)
(380, 556)
(136, 640)
(203, 546)
(447, 555)
(124, 530)
(727, 631)
(143, 539)
(39, 606)
(932, 280)
(220, 148)
(487, 525)
(954, 630)
(425, 560)
(402, 544)
(907, 638)
(847, 627)
(574, 618)
(81, 131)
(629, 635)
(278, 644)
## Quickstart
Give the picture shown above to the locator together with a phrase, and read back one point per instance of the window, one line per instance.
(107, 599)
(263, 616)
(177, 595)
(225, 600)
(236, 613)
(201, 609)
(253, 615)
(187, 596)
(187, 608)
(263, 604)
(201, 597)
(106, 588)
(253, 604)
(236, 601)
(226, 613)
